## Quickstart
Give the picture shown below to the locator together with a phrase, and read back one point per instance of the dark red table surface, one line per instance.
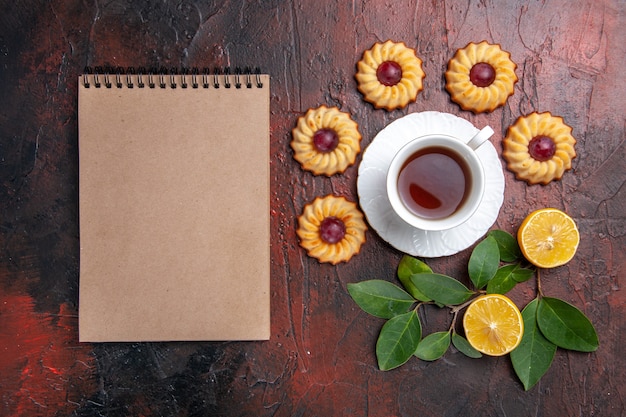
(320, 360)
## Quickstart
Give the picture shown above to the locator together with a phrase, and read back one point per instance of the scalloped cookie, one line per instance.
(326, 141)
(480, 77)
(331, 229)
(390, 75)
(539, 148)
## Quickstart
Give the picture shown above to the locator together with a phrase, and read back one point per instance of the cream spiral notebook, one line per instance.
(174, 206)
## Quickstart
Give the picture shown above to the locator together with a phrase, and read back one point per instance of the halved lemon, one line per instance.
(493, 324)
(548, 238)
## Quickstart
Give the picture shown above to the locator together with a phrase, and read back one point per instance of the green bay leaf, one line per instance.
(398, 340)
(407, 267)
(441, 288)
(507, 277)
(534, 355)
(565, 325)
(507, 246)
(484, 262)
(522, 274)
(380, 298)
(433, 346)
(464, 346)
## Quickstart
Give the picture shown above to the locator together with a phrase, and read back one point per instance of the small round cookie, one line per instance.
(389, 75)
(480, 77)
(331, 229)
(326, 141)
(539, 148)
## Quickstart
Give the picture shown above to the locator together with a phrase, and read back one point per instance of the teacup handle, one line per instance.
(480, 137)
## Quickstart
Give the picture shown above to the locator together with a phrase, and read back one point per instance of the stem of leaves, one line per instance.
(454, 310)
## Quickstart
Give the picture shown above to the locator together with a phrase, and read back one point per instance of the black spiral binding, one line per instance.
(131, 77)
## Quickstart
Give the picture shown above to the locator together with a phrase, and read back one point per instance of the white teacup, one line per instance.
(436, 182)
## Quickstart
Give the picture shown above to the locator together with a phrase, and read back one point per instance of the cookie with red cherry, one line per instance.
(390, 75)
(326, 141)
(539, 148)
(331, 229)
(480, 77)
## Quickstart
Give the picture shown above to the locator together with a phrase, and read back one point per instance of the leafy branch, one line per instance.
(496, 266)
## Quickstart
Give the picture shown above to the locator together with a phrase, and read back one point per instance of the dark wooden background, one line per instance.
(320, 359)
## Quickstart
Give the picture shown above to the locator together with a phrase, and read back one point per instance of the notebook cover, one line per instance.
(174, 213)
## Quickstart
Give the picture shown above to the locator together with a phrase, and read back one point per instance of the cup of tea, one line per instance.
(436, 182)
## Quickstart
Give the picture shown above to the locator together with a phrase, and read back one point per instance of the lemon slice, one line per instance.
(493, 325)
(548, 238)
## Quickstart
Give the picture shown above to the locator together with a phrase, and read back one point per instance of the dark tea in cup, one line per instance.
(434, 182)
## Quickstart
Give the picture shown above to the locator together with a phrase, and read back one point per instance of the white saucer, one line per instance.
(371, 185)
